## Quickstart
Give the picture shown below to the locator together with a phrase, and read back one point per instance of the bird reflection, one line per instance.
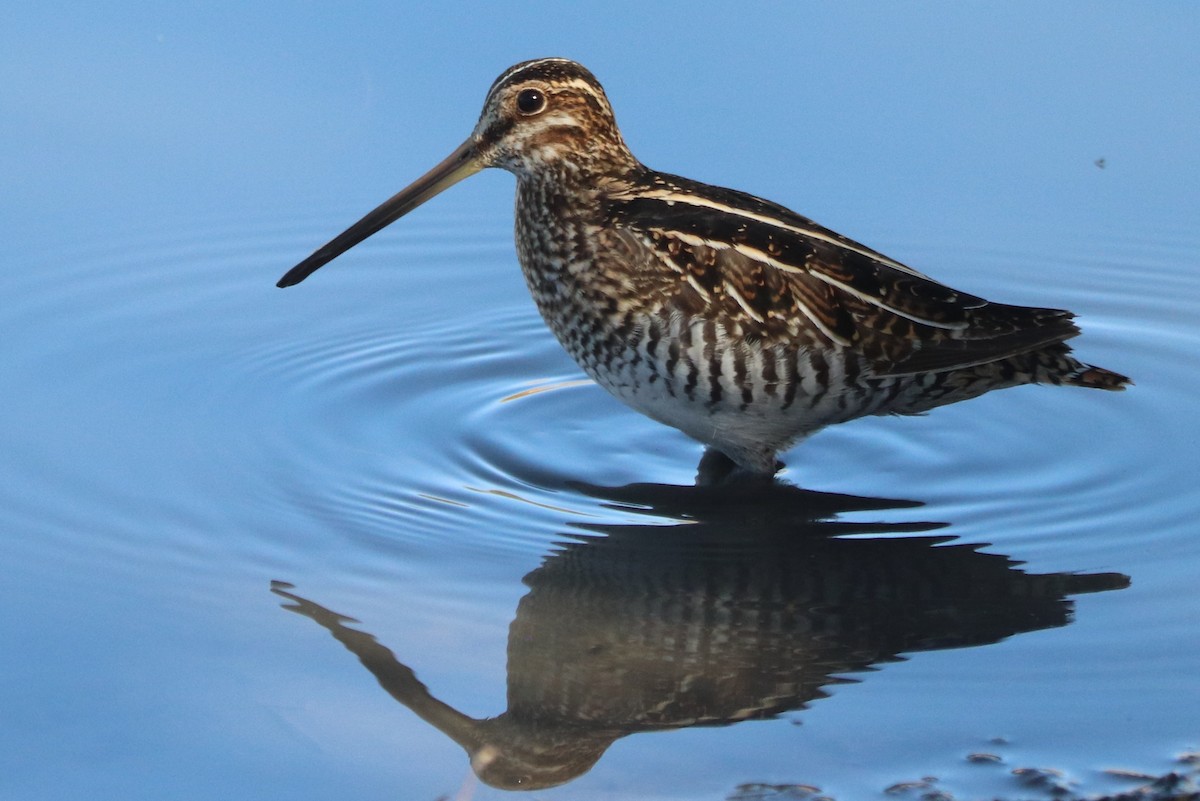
(753, 603)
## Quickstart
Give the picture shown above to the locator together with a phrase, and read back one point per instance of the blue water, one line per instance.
(401, 441)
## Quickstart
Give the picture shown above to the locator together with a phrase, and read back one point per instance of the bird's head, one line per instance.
(548, 118)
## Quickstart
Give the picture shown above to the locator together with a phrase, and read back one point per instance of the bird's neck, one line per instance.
(574, 193)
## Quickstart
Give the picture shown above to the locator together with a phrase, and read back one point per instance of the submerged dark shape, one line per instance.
(731, 318)
(750, 607)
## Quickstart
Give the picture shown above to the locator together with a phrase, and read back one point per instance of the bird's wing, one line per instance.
(784, 276)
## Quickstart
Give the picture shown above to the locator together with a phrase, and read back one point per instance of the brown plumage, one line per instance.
(743, 324)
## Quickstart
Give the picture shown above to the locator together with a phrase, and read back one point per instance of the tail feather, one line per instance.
(1097, 378)
(1057, 365)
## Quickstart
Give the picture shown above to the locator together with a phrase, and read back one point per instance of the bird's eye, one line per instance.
(531, 101)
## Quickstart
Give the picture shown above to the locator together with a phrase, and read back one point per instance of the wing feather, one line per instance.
(775, 270)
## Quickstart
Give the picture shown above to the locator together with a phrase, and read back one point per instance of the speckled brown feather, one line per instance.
(731, 318)
(769, 299)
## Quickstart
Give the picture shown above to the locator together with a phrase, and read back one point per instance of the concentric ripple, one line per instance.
(446, 397)
(411, 393)
(404, 431)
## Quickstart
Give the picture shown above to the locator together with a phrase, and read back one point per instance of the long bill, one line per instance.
(462, 163)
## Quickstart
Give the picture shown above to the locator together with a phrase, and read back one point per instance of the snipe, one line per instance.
(729, 317)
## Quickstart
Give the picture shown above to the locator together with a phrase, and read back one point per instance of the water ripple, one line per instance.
(412, 393)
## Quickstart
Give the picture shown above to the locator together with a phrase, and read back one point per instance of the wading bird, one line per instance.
(731, 318)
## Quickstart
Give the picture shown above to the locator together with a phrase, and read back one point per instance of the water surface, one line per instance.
(401, 442)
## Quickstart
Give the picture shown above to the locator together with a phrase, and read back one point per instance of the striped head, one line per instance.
(547, 118)
(550, 113)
